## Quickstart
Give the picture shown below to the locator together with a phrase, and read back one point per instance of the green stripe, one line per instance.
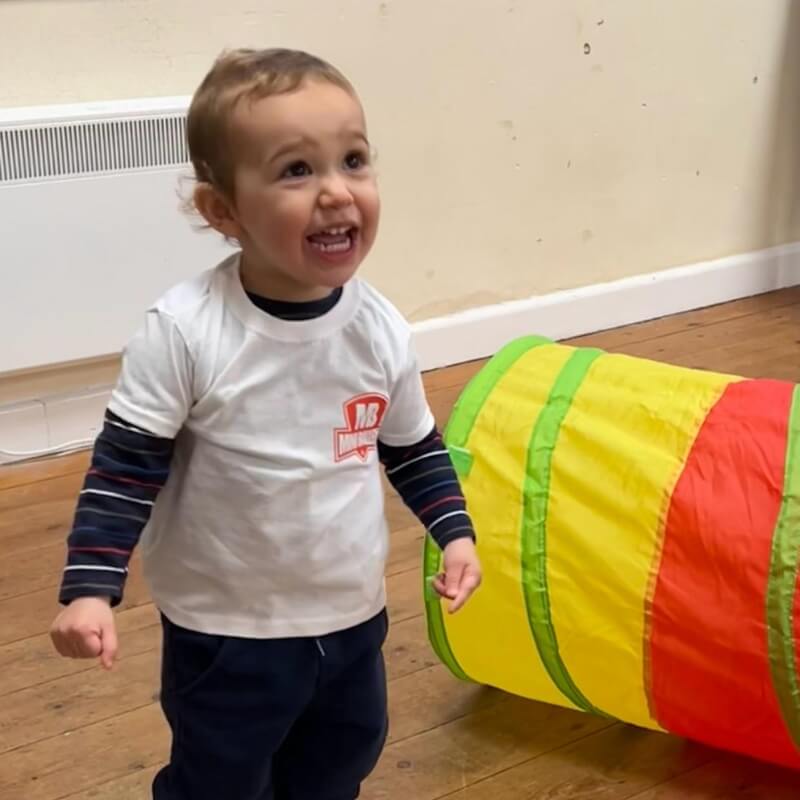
(782, 584)
(534, 521)
(456, 436)
(472, 399)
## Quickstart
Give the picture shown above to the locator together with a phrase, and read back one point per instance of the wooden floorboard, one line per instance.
(70, 731)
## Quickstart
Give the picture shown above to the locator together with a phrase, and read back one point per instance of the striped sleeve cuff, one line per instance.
(92, 582)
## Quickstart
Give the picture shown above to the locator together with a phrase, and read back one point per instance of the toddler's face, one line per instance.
(306, 195)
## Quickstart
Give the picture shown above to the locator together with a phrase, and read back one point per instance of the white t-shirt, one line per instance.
(271, 523)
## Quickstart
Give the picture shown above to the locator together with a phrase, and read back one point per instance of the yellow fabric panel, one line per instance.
(490, 636)
(620, 452)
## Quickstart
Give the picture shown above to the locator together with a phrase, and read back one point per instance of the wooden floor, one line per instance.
(69, 730)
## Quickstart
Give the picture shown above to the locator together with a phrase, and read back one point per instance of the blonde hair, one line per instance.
(238, 75)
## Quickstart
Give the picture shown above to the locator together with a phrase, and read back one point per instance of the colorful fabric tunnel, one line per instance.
(639, 531)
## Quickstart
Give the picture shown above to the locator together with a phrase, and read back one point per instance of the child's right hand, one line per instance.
(85, 629)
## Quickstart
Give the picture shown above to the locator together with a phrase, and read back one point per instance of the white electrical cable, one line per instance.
(67, 447)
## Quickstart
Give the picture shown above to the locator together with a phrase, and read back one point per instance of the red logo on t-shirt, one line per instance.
(363, 416)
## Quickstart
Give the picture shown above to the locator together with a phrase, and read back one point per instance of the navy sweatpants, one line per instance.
(272, 719)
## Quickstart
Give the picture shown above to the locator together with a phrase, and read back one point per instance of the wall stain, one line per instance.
(587, 48)
(587, 236)
(508, 124)
(451, 306)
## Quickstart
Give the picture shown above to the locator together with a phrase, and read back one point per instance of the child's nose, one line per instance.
(335, 192)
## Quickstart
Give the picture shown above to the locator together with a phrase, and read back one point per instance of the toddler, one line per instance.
(242, 445)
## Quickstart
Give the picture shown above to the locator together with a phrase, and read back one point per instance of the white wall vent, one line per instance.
(77, 149)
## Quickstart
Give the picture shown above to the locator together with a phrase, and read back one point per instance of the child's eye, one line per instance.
(356, 160)
(297, 169)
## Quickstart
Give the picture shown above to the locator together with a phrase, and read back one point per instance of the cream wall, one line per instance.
(525, 145)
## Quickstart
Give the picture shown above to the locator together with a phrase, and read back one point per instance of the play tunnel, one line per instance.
(639, 530)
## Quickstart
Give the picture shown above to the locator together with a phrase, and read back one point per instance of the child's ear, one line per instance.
(216, 209)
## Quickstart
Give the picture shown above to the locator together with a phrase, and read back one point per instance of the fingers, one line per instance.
(86, 629)
(458, 584)
(83, 643)
(452, 579)
(470, 581)
(62, 646)
(108, 643)
(446, 584)
(76, 644)
(438, 585)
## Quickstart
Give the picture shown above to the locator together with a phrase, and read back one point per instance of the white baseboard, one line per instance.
(481, 332)
(50, 421)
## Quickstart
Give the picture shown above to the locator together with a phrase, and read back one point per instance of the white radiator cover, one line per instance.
(92, 228)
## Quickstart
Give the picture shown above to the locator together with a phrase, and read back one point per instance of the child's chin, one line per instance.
(339, 276)
(336, 274)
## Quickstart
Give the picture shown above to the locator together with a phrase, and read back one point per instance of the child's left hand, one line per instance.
(462, 573)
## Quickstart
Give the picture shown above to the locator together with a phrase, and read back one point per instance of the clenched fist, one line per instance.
(85, 629)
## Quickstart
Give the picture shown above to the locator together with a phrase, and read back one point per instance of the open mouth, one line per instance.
(334, 241)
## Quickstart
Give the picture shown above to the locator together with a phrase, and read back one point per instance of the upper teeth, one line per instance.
(336, 231)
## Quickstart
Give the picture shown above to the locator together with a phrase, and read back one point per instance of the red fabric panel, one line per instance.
(710, 669)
